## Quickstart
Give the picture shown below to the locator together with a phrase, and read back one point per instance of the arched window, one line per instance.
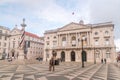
(106, 32)
(106, 41)
(54, 37)
(96, 33)
(63, 41)
(97, 54)
(96, 42)
(73, 41)
(107, 54)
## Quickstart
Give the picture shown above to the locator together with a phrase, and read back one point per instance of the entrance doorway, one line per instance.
(84, 56)
(13, 54)
(62, 56)
(72, 56)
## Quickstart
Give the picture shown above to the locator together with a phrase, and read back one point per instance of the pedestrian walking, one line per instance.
(105, 61)
(52, 64)
(102, 60)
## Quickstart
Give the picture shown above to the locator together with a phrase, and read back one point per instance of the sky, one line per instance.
(42, 15)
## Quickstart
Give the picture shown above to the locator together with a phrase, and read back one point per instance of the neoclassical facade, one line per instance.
(97, 39)
(4, 40)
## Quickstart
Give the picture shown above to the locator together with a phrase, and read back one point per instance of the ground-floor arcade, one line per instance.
(91, 55)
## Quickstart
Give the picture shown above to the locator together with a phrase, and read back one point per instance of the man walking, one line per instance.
(52, 64)
(105, 61)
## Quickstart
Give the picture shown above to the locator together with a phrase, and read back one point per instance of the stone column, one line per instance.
(77, 39)
(90, 37)
(67, 39)
(88, 33)
(58, 40)
(78, 56)
(67, 56)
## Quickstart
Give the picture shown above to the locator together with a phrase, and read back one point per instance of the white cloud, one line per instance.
(48, 10)
(117, 43)
(104, 11)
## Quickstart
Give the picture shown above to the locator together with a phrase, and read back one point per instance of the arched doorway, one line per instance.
(84, 55)
(13, 52)
(62, 56)
(72, 56)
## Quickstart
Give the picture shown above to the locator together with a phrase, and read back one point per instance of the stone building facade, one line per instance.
(4, 40)
(97, 39)
(10, 40)
(33, 44)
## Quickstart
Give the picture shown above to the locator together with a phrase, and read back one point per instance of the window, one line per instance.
(47, 37)
(4, 50)
(5, 32)
(5, 38)
(63, 41)
(0, 37)
(0, 31)
(108, 54)
(106, 32)
(54, 37)
(47, 55)
(96, 42)
(54, 43)
(13, 44)
(73, 41)
(47, 43)
(4, 44)
(96, 33)
(97, 54)
(107, 41)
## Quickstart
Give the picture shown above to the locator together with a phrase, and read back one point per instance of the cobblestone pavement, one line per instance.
(65, 71)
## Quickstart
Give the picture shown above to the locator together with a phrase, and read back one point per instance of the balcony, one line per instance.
(71, 47)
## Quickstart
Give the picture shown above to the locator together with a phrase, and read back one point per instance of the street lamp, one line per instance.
(83, 52)
(94, 56)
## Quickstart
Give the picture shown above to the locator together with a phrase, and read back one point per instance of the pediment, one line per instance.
(15, 31)
(72, 26)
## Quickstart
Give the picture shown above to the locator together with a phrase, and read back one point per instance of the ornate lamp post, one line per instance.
(94, 56)
(83, 52)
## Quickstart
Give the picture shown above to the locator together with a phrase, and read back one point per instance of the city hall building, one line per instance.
(97, 40)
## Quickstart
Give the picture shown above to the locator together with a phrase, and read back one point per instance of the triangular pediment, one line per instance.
(15, 31)
(72, 26)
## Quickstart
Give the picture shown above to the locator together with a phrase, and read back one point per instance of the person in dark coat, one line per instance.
(102, 60)
(52, 64)
(105, 61)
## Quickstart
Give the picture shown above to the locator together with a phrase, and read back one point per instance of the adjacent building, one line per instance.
(97, 40)
(10, 42)
(4, 40)
(33, 44)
